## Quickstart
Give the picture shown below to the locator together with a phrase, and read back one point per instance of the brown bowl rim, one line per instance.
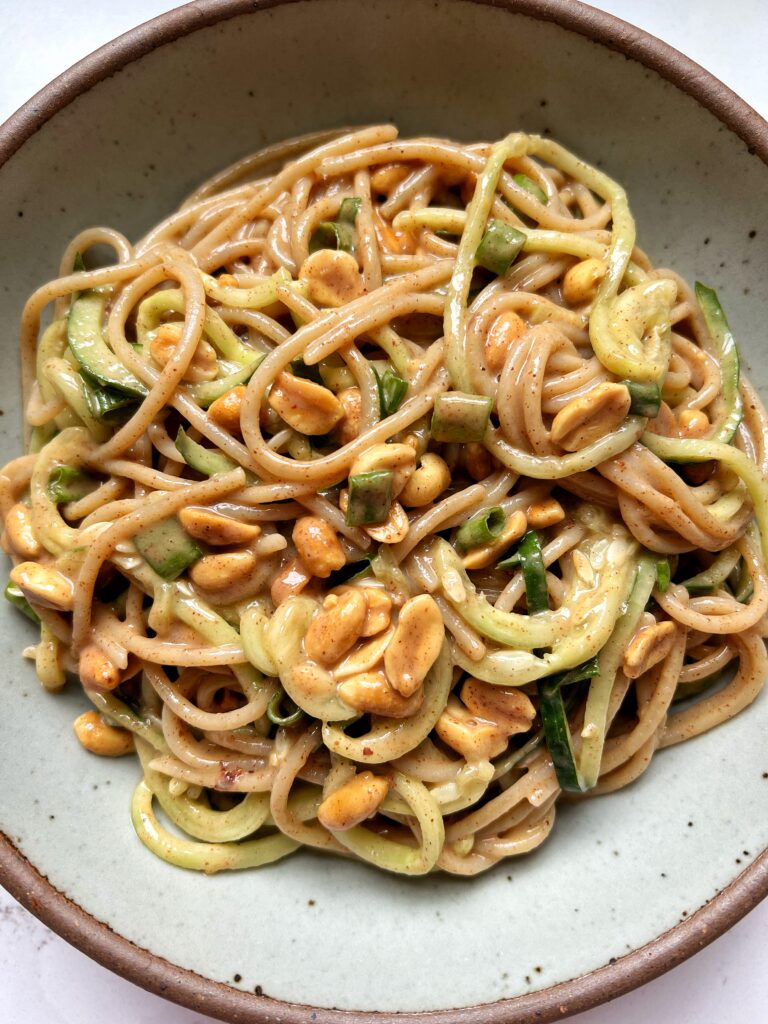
(155, 974)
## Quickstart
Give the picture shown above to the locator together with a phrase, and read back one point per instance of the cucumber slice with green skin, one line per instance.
(97, 361)
(723, 347)
(17, 599)
(167, 548)
(67, 483)
(208, 391)
(207, 461)
(534, 573)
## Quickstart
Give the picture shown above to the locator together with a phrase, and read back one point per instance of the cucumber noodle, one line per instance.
(206, 671)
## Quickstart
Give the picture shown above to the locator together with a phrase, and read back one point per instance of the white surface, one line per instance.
(42, 979)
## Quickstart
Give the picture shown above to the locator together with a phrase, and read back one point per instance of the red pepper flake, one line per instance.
(367, 751)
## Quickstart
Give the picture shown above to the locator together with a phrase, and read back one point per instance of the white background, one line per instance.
(45, 981)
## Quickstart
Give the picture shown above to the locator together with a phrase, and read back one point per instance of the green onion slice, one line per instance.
(370, 497)
(392, 391)
(339, 233)
(534, 572)
(663, 574)
(276, 704)
(460, 417)
(483, 528)
(499, 247)
(530, 186)
(67, 483)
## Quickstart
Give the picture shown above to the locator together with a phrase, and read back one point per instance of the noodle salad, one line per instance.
(382, 495)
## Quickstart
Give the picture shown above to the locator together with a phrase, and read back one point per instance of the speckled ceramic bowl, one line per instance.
(628, 885)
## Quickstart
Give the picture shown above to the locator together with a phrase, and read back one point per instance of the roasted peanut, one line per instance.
(487, 554)
(474, 738)
(217, 572)
(100, 738)
(290, 580)
(96, 670)
(318, 546)
(364, 658)
(352, 404)
(414, 648)
(44, 585)
(427, 483)
(399, 458)
(583, 568)
(20, 533)
(227, 281)
(648, 647)
(202, 366)
(309, 408)
(582, 280)
(394, 528)
(336, 627)
(332, 276)
(225, 410)
(215, 528)
(370, 692)
(542, 514)
(692, 423)
(596, 414)
(353, 802)
(379, 610)
(507, 707)
(505, 330)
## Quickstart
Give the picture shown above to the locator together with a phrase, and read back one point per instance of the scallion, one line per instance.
(349, 209)
(459, 417)
(499, 247)
(67, 483)
(534, 573)
(392, 391)
(530, 186)
(275, 706)
(557, 734)
(300, 369)
(663, 574)
(483, 528)
(339, 233)
(644, 399)
(370, 497)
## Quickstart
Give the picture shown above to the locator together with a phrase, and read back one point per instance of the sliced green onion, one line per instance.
(499, 247)
(108, 403)
(508, 564)
(274, 707)
(715, 575)
(349, 209)
(530, 186)
(723, 347)
(534, 573)
(17, 599)
(557, 734)
(67, 483)
(588, 670)
(370, 497)
(339, 233)
(644, 399)
(663, 574)
(483, 528)
(392, 391)
(460, 417)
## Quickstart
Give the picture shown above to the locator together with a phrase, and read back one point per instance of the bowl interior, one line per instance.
(618, 871)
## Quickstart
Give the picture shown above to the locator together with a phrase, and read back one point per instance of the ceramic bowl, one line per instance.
(628, 885)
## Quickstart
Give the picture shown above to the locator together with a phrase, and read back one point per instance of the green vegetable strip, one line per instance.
(482, 528)
(671, 449)
(499, 247)
(534, 573)
(68, 483)
(645, 399)
(339, 233)
(206, 392)
(17, 599)
(663, 574)
(370, 497)
(710, 579)
(460, 417)
(349, 209)
(392, 390)
(722, 346)
(274, 708)
(208, 461)
(530, 186)
(458, 288)
(609, 661)
(557, 735)
(196, 856)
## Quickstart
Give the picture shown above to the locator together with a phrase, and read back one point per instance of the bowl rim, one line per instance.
(152, 972)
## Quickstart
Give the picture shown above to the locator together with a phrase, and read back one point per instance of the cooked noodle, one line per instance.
(383, 492)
